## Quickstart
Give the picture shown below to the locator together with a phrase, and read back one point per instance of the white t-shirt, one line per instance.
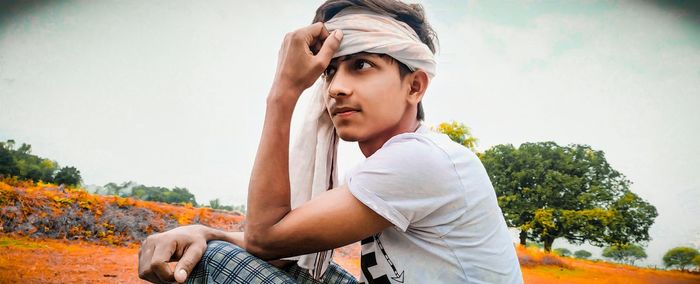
(448, 227)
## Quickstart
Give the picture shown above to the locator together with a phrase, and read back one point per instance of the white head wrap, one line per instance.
(312, 158)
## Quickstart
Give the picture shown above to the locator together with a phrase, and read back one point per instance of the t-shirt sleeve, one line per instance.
(405, 181)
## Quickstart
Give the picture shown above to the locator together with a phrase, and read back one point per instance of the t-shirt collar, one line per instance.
(422, 128)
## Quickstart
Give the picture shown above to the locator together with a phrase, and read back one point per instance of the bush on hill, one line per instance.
(50, 211)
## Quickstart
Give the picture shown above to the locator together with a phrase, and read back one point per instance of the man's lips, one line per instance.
(344, 111)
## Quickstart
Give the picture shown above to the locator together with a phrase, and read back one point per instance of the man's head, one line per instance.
(383, 89)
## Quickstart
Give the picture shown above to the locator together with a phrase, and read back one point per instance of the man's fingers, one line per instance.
(316, 31)
(330, 46)
(145, 256)
(188, 261)
(159, 262)
(314, 35)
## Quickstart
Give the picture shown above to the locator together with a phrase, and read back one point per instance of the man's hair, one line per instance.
(411, 14)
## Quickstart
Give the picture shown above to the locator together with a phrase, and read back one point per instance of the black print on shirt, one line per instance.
(369, 259)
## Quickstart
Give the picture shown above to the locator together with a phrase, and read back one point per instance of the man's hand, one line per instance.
(304, 54)
(186, 245)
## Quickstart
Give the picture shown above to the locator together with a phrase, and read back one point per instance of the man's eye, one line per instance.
(329, 72)
(361, 64)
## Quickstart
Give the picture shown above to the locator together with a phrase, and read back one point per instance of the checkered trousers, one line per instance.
(224, 262)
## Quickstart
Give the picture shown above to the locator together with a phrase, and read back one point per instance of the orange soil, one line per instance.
(25, 260)
(570, 270)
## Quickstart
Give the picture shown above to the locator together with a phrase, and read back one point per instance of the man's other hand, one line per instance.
(186, 245)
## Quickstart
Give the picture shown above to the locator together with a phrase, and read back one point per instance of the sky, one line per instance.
(172, 93)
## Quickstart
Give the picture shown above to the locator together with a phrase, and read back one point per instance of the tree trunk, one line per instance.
(548, 244)
(523, 238)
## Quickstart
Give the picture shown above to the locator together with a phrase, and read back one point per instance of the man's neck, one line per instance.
(368, 147)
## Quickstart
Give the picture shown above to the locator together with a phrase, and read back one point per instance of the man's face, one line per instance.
(366, 96)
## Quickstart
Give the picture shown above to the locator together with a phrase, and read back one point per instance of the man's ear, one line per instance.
(418, 81)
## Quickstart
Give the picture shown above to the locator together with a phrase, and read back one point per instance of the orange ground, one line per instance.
(24, 260)
(569, 270)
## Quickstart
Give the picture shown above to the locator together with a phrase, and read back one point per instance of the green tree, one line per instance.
(177, 195)
(582, 254)
(122, 190)
(180, 195)
(240, 208)
(550, 191)
(29, 166)
(459, 133)
(8, 166)
(680, 257)
(628, 253)
(9, 144)
(149, 193)
(68, 176)
(696, 261)
(562, 251)
(24, 149)
(216, 204)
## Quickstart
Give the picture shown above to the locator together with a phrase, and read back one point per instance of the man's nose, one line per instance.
(339, 85)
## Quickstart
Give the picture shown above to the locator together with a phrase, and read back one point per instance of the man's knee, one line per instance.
(226, 262)
(218, 257)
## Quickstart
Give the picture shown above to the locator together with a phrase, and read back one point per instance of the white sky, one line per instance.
(171, 93)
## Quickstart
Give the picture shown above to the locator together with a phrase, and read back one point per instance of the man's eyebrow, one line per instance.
(344, 58)
(353, 56)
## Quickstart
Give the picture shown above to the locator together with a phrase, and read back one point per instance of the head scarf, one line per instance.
(313, 168)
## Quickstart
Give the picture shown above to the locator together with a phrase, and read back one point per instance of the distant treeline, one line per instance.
(20, 162)
(216, 204)
(176, 195)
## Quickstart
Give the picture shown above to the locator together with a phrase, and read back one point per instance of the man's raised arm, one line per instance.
(298, 68)
(329, 220)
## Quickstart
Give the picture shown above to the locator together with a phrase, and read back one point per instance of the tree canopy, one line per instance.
(628, 253)
(562, 251)
(176, 195)
(20, 162)
(8, 165)
(680, 257)
(550, 191)
(459, 133)
(68, 176)
(582, 254)
(216, 204)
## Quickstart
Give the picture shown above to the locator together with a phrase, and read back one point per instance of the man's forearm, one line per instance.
(236, 238)
(268, 191)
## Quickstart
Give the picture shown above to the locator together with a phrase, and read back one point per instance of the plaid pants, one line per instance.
(227, 263)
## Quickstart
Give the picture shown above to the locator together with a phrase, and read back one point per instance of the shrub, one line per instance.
(582, 254)
(562, 251)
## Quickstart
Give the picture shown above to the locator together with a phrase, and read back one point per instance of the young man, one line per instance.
(421, 205)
